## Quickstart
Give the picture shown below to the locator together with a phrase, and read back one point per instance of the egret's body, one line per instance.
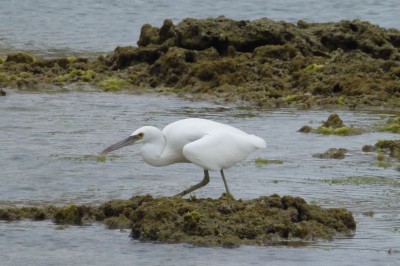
(206, 143)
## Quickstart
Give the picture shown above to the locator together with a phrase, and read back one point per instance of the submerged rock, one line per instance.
(393, 146)
(268, 220)
(392, 125)
(332, 153)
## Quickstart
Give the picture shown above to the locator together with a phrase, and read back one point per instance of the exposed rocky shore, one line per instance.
(262, 62)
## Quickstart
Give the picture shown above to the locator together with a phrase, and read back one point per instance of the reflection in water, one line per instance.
(49, 148)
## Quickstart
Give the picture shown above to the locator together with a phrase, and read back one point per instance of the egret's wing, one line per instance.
(221, 150)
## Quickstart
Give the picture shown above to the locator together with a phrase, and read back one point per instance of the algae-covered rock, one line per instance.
(332, 126)
(267, 63)
(267, 220)
(393, 146)
(332, 153)
(20, 57)
(34, 213)
(120, 222)
(392, 125)
(333, 121)
(262, 221)
(72, 214)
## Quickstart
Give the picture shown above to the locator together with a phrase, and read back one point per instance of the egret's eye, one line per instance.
(140, 135)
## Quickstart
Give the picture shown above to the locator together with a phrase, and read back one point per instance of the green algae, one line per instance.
(88, 158)
(341, 101)
(314, 67)
(261, 161)
(78, 75)
(392, 125)
(72, 59)
(363, 181)
(113, 84)
(268, 220)
(290, 98)
(341, 131)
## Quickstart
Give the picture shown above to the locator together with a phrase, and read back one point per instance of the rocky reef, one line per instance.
(268, 220)
(262, 62)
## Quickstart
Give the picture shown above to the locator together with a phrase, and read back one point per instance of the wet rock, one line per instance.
(20, 57)
(267, 63)
(242, 222)
(332, 153)
(268, 220)
(393, 146)
(392, 125)
(361, 35)
(72, 214)
(124, 57)
(2, 92)
(305, 129)
(368, 148)
(332, 126)
(333, 121)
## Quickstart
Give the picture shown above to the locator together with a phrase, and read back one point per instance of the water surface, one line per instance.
(48, 153)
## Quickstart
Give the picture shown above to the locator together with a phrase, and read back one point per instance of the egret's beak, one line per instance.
(126, 142)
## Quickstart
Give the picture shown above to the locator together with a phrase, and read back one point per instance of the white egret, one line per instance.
(206, 143)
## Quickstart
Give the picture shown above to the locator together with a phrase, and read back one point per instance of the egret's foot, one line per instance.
(202, 183)
(231, 196)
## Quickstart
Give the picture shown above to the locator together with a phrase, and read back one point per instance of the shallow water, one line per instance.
(48, 153)
(50, 28)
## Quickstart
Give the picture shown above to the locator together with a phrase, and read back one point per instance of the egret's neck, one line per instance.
(153, 148)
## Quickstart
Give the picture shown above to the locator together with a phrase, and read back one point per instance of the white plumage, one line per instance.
(206, 143)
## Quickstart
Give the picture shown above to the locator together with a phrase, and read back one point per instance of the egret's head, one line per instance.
(136, 136)
(141, 135)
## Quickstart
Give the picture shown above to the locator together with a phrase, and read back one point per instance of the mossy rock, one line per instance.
(393, 146)
(268, 220)
(392, 125)
(20, 57)
(332, 153)
(333, 126)
(333, 121)
(71, 214)
(244, 222)
(120, 222)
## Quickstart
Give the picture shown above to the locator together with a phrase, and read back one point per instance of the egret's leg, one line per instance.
(226, 184)
(202, 183)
